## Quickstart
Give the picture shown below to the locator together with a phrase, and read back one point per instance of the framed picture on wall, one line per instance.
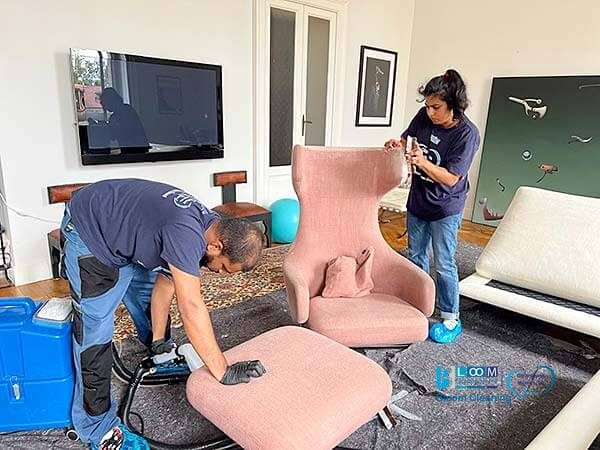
(541, 131)
(376, 83)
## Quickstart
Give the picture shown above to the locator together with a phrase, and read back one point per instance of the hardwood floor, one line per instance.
(40, 290)
(396, 226)
(391, 230)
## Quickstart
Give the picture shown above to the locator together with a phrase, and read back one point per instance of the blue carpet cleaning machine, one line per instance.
(36, 369)
(37, 375)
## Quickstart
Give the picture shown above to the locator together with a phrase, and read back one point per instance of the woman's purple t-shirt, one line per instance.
(451, 148)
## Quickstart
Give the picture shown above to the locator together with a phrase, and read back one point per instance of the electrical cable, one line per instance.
(24, 214)
(143, 370)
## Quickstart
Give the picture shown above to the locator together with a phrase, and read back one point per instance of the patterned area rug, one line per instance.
(224, 290)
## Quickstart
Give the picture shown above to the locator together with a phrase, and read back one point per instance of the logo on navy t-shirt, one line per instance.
(182, 199)
(432, 155)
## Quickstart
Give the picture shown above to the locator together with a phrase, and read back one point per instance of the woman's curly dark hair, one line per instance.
(451, 88)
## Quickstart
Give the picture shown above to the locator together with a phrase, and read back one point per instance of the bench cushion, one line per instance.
(316, 392)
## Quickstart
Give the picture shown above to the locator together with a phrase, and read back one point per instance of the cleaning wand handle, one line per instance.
(192, 358)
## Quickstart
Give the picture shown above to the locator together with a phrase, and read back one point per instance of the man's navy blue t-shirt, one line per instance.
(143, 222)
(451, 148)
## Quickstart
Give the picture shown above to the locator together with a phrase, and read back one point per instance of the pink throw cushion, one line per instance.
(349, 277)
(377, 320)
(315, 393)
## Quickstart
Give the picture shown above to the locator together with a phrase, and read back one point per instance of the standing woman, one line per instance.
(444, 144)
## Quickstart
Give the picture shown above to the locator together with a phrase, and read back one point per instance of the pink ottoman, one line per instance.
(316, 392)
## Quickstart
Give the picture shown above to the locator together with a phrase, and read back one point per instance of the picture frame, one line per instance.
(376, 86)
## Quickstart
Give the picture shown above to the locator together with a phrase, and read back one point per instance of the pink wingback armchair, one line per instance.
(339, 190)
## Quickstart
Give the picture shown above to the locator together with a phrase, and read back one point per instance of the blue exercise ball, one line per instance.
(285, 215)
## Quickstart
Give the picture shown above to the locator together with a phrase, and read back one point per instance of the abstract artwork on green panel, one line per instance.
(542, 132)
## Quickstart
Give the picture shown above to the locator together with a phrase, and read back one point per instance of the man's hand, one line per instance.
(394, 145)
(161, 346)
(242, 372)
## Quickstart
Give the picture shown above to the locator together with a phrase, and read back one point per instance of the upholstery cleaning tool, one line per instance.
(409, 146)
(166, 368)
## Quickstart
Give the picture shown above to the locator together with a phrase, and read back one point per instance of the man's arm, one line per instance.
(196, 322)
(162, 294)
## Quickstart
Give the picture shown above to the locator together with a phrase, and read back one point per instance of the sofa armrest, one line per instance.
(297, 291)
(398, 276)
(576, 425)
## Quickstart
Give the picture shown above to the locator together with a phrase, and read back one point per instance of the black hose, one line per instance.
(141, 372)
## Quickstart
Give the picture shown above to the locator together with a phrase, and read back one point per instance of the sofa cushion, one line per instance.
(547, 242)
(314, 394)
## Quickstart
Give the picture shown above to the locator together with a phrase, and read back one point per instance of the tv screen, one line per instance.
(134, 108)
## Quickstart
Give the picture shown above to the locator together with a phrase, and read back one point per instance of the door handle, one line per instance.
(304, 122)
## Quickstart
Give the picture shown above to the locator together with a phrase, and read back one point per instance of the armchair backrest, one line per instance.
(339, 191)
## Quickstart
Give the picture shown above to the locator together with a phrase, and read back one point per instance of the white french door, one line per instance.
(295, 70)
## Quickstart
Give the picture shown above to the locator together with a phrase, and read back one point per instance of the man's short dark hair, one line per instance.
(242, 241)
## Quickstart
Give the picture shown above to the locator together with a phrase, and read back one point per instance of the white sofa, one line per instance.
(395, 200)
(576, 425)
(543, 261)
(547, 249)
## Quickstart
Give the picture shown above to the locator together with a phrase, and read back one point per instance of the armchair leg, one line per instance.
(386, 416)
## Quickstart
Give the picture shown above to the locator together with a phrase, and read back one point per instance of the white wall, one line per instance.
(37, 118)
(39, 146)
(385, 24)
(484, 39)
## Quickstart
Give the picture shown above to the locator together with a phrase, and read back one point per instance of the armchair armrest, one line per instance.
(297, 291)
(400, 277)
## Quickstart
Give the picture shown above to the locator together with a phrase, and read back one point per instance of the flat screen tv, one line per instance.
(134, 108)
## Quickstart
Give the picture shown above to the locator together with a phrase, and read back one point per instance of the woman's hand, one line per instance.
(416, 157)
(394, 145)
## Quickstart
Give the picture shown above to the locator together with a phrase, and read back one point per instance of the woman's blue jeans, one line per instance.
(442, 235)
